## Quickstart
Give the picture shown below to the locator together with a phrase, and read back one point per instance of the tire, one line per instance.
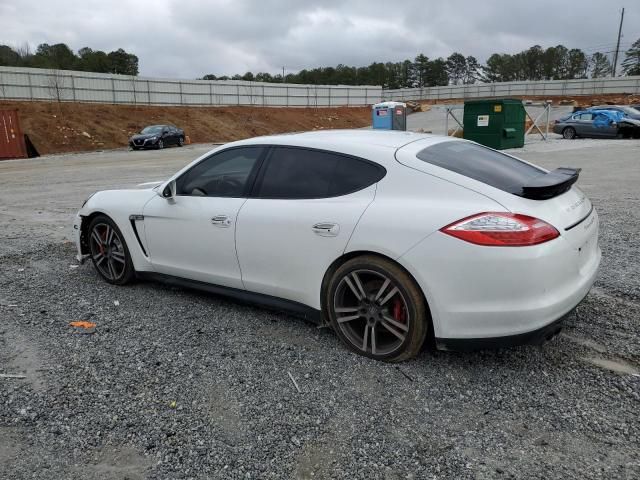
(135, 148)
(390, 322)
(109, 252)
(160, 144)
(180, 141)
(569, 133)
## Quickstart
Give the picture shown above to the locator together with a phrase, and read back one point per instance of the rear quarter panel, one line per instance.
(409, 206)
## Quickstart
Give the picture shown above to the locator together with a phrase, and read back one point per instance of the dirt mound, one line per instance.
(72, 127)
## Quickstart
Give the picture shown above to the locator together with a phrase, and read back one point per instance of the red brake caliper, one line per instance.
(398, 311)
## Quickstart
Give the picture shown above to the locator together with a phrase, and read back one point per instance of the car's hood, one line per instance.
(150, 185)
(127, 201)
(143, 136)
(631, 121)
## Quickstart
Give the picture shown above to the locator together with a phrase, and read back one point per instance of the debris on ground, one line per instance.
(295, 384)
(12, 375)
(82, 324)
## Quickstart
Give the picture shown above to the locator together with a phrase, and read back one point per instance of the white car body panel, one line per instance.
(184, 242)
(281, 254)
(269, 246)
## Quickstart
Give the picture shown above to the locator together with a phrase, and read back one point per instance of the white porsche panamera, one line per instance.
(388, 237)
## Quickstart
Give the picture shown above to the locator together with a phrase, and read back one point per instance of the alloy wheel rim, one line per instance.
(107, 251)
(371, 312)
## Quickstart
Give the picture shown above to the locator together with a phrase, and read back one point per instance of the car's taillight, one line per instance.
(500, 229)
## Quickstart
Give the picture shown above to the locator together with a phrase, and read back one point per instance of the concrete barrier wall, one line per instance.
(551, 88)
(71, 86)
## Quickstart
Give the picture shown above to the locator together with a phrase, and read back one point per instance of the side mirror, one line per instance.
(169, 190)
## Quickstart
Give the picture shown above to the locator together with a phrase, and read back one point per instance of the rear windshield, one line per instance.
(482, 164)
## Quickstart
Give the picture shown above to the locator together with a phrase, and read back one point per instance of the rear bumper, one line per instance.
(498, 296)
(534, 337)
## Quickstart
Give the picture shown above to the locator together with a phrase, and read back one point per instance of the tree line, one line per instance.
(61, 57)
(535, 63)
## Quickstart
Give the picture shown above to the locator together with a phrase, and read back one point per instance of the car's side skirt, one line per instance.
(267, 301)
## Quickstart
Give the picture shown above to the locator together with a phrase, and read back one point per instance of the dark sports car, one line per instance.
(157, 136)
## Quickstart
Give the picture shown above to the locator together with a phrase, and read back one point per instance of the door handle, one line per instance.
(221, 221)
(326, 229)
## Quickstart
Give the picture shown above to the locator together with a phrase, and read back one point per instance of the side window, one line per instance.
(586, 116)
(301, 173)
(353, 175)
(224, 174)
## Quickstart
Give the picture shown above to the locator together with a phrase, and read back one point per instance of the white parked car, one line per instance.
(389, 237)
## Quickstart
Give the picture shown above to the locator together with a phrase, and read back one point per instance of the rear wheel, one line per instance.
(109, 252)
(377, 309)
(180, 141)
(569, 133)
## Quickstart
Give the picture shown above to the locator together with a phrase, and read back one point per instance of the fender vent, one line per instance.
(132, 219)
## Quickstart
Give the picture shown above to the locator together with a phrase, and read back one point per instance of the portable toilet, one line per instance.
(389, 116)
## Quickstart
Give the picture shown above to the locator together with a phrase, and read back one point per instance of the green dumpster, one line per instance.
(497, 123)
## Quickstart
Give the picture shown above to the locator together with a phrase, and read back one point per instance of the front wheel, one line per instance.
(160, 144)
(377, 309)
(569, 133)
(109, 252)
(180, 141)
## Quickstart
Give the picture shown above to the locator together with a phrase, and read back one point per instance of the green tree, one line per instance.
(599, 65)
(9, 57)
(577, 64)
(58, 56)
(421, 68)
(473, 70)
(437, 73)
(93, 61)
(123, 63)
(456, 67)
(631, 63)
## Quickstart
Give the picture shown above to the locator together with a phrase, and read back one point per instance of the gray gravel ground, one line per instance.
(177, 384)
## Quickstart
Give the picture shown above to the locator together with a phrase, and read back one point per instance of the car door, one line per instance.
(192, 235)
(302, 212)
(584, 125)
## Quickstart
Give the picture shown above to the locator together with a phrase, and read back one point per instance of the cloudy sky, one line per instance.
(188, 38)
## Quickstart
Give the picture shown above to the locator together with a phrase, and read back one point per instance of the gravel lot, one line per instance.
(177, 384)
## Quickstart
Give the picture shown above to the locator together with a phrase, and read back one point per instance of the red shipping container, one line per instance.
(12, 143)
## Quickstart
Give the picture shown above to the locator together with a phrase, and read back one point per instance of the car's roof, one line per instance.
(335, 139)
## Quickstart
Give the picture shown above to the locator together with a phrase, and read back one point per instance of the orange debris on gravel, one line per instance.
(82, 324)
(71, 127)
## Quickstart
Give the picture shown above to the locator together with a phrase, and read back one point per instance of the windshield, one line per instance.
(152, 129)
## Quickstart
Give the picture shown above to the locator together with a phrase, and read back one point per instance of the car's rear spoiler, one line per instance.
(551, 184)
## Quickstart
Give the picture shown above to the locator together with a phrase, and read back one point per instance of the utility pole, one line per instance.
(282, 74)
(615, 57)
